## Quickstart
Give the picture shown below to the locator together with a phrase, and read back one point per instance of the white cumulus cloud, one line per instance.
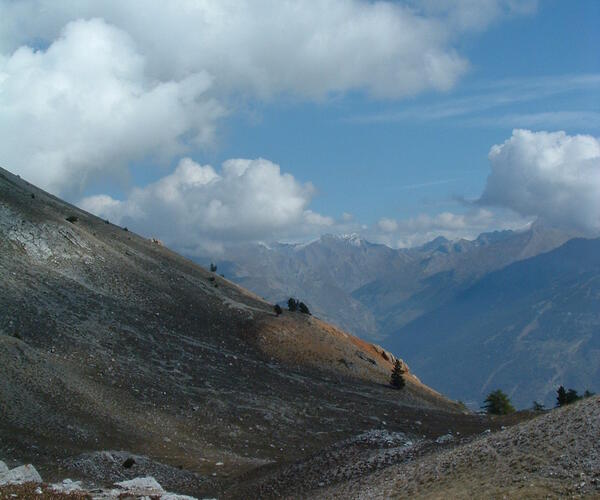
(551, 175)
(387, 225)
(196, 209)
(268, 47)
(421, 228)
(84, 107)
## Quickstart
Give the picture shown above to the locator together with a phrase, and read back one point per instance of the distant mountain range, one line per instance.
(409, 300)
(526, 328)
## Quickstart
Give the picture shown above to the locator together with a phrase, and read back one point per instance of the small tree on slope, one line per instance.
(397, 379)
(498, 403)
(292, 304)
(303, 308)
(564, 397)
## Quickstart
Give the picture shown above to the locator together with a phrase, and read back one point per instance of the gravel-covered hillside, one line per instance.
(111, 342)
(556, 455)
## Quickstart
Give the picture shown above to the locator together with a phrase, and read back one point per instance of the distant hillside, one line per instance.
(323, 273)
(372, 290)
(527, 329)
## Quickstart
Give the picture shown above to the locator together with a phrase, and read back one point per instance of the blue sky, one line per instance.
(369, 167)
(268, 121)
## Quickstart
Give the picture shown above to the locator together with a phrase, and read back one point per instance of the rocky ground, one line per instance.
(556, 455)
(25, 482)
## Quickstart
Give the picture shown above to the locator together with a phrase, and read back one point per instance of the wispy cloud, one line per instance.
(494, 96)
(407, 187)
(554, 119)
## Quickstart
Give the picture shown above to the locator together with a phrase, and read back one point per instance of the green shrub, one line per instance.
(498, 403)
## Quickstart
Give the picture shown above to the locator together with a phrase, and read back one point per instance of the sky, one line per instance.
(209, 124)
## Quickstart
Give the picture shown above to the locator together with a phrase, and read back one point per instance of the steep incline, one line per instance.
(111, 341)
(556, 455)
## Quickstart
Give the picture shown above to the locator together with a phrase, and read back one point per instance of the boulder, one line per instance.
(20, 475)
(67, 486)
(3, 468)
(142, 486)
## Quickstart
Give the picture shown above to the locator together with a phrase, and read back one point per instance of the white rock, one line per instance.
(142, 486)
(107, 455)
(3, 467)
(446, 438)
(20, 475)
(67, 486)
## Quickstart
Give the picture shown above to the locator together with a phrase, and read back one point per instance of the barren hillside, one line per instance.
(109, 341)
(556, 455)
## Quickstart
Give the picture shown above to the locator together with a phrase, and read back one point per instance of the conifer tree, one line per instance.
(397, 379)
(498, 403)
(561, 396)
(303, 308)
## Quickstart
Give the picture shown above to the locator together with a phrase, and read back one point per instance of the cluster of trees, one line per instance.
(498, 403)
(293, 305)
(566, 397)
(296, 305)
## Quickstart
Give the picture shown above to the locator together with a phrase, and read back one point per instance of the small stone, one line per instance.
(446, 438)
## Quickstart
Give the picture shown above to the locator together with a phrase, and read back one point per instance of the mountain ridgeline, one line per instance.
(453, 307)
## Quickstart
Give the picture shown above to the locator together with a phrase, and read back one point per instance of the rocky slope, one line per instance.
(556, 455)
(112, 345)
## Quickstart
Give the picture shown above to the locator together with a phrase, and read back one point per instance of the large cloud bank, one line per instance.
(551, 175)
(198, 209)
(270, 46)
(85, 108)
(87, 88)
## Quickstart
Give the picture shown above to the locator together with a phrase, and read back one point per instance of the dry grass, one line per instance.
(28, 491)
(552, 456)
